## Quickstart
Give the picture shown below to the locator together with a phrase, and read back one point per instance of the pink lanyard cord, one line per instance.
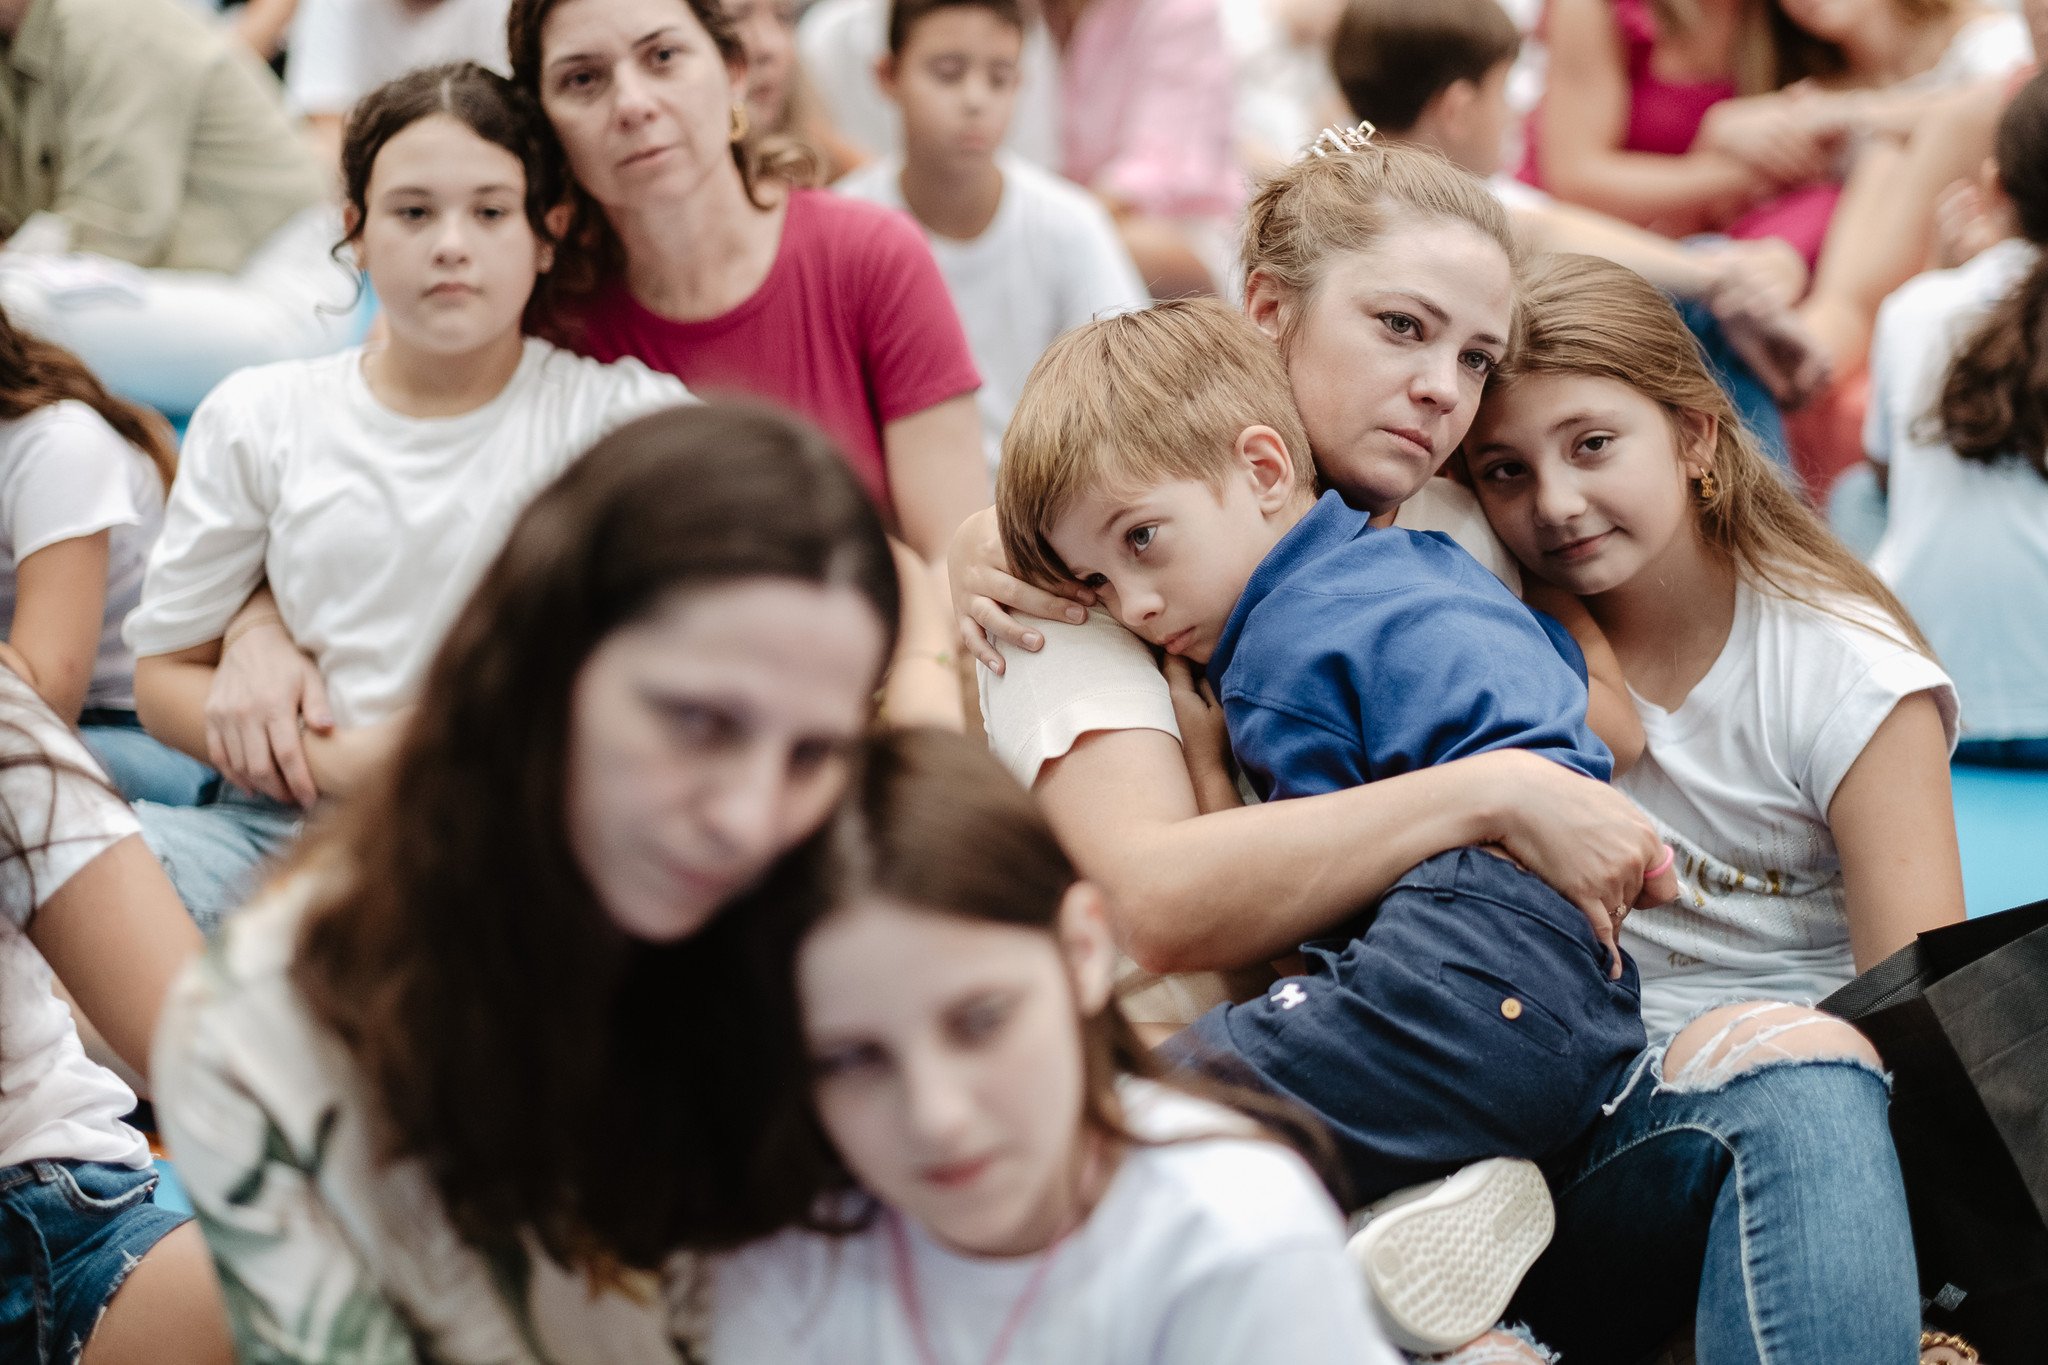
(913, 1307)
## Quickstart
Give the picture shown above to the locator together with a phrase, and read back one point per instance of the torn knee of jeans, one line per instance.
(1735, 1049)
(1505, 1345)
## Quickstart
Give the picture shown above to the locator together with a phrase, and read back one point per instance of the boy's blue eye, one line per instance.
(1140, 537)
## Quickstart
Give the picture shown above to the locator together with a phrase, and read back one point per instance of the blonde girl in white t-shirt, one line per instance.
(368, 489)
(1016, 1187)
(1798, 728)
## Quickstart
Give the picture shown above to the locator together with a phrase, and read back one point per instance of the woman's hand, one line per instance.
(262, 686)
(1588, 841)
(1204, 742)
(1768, 134)
(983, 586)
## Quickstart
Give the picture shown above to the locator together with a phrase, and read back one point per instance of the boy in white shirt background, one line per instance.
(1026, 255)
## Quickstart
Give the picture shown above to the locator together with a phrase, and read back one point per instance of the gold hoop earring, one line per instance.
(739, 122)
(1708, 488)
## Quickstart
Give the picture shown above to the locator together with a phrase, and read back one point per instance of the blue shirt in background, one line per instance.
(1358, 653)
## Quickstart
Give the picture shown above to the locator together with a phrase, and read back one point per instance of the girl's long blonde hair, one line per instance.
(1584, 315)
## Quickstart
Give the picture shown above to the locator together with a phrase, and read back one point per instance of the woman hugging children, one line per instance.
(1431, 762)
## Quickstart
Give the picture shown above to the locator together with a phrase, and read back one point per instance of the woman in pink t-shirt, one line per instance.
(698, 253)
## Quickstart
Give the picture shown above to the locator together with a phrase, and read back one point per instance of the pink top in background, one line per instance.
(1663, 116)
(1146, 107)
(853, 328)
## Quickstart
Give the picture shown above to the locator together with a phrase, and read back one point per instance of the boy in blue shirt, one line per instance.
(1157, 457)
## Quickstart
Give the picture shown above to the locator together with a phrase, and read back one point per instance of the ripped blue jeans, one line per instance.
(1763, 1204)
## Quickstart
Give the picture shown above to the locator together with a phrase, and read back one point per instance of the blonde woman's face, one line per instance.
(1389, 360)
(1585, 479)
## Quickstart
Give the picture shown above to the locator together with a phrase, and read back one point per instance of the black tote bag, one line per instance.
(1961, 1020)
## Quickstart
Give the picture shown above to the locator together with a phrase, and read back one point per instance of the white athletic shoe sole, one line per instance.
(1442, 1260)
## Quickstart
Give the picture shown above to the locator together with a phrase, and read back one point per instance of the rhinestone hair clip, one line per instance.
(1337, 141)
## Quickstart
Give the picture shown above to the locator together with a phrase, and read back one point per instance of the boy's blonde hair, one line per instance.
(1320, 207)
(1127, 402)
(1587, 316)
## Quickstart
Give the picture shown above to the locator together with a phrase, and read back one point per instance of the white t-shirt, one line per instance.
(341, 50)
(1738, 780)
(65, 473)
(372, 527)
(55, 1103)
(1965, 543)
(1050, 260)
(1220, 1248)
(839, 42)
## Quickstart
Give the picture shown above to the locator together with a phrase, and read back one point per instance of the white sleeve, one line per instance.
(63, 817)
(1101, 279)
(68, 478)
(325, 73)
(1096, 676)
(1862, 707)
(1885, 387)
(1852, 670)
(216, 534)
(1304, 1305)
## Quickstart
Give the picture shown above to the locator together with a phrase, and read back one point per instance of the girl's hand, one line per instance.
(1584, 838)
(983, 586)
(1204, 742)
(261, 688)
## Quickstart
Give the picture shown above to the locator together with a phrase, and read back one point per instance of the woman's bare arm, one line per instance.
(115, 934)
(60, 600)
(1238, 887)
(937, 475)
(1893, 818)
(1585, 120)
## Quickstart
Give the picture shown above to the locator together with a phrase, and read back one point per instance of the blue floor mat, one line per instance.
(2002, 828)
(170, 1191)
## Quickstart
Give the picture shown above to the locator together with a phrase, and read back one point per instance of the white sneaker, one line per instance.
(1442, 1260)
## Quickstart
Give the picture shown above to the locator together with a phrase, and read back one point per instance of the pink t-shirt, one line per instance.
(852, 328)
(1146, 105)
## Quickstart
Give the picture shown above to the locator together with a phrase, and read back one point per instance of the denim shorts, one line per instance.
(1468, 1015)
(70, 1231)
